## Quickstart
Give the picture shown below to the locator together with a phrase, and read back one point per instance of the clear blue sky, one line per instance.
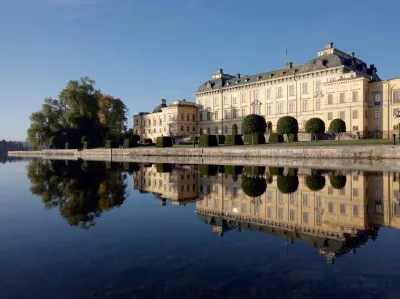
(143, 50)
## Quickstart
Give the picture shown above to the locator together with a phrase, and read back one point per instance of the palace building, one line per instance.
(334, 84)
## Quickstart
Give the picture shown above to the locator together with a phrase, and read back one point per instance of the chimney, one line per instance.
(289, 65)
(238, 75)
(329, 45)
(221, 71)
(163, 102)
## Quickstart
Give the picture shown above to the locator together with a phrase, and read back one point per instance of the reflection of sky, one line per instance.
(144, 249)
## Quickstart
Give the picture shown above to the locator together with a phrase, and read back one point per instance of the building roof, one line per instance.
(159, 107)
(335, 59)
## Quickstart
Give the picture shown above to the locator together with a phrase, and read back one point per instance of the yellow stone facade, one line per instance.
(175, 120)
(333, 85)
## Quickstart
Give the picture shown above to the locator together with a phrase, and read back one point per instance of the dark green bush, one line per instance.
(315, 183)
(221, 139)
(315, 125)
(233, 170)
(111, 144)
(337, 126)
(206, 170)
(256, 138)
(221, 169)
(276, 170)
(254, 170)
(254, 123)
(164, 141)
(293, 138)
(87, 145)
(287, 184)
(208, 140)
(254, 187)
(233, 140)
(338, 181)
(164, 167)
(275, 138)
(287, 125)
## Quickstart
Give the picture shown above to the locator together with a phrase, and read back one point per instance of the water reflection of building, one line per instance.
(335, 219)
(177, 183)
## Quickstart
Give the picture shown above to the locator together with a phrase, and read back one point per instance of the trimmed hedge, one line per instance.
(338, 181)
(254, 123)
(292, 171)
(164, 167)
(293, 138)
(164, 141)
(111, 144)
(254, 187)
(221, 139)
(233, 170)
(208, 140)
(258, 138)
(206, 170)
(287, 184)
(233, 140)
(287, 125)
(221, 169)
(315, 182)
(254, 170)
(276, 170)
(275, 138)
(87, 145)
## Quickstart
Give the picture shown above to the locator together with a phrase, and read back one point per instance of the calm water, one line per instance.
(101, 230)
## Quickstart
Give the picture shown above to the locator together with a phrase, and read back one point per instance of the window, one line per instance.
(305, 105)
(255, 95)
(181, 128)
(377, 99)
(187, 129)
(200, 116)
(342, 209)
(207, 103)
(292, 199)
(355, 114)
(208, 115)
(330, 115)
(330, 98)
(193, 129)
(226, 130)
(291, 107)
(354, 96)
(355, 191)
(305, 217)
(330, 190)
(244, 208)
(234, 100)
(341, 97)
(291, 90)
(342, 115)
(269, 93)
(234, 113)
(292, 215)
(355, 210)
(342, 191)
(243, 98)
(269, 109)
(330, 208)
(396, 96)
(226, 114)
(318, 201)
(269, 195)
(280, 108)
(216, 115)
(269, 212)
(280, 95)
(243, 113)
(355, 128)
(377, 114)
(280, 213)
(318, 219)
(305, 88)
(226, 100)
(318, 104)
(305, 200)
(318, 86)
(216, 102)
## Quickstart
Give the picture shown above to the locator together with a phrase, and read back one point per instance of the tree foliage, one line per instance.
(315, 126)
(254, 187)
(338, 181)
(337, 126)
(254, 123)
(315, 182)
(287, 184)
(80, 110)
(287, 125)
(81, 191)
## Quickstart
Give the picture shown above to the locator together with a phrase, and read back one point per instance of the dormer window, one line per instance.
(271, 75)
(259, 77)
(247, 79)
(237, 81)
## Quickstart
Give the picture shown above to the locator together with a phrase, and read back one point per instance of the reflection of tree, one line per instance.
(338, 181)
(254, 187)
(81, 191)
(287, 184)
(315, 182)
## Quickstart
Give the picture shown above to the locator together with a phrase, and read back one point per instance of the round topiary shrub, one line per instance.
(315, 183)
(337, 126)
(287, 125)
(254, 187)
(254, 123)
(338, 181)
(315, 126)
(287, 184)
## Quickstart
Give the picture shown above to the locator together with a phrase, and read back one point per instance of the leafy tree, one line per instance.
(338, 181)
(337, 126)
(315, 182)
(254, 123)
(315, 126)
(254, 187)
(287, 125)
